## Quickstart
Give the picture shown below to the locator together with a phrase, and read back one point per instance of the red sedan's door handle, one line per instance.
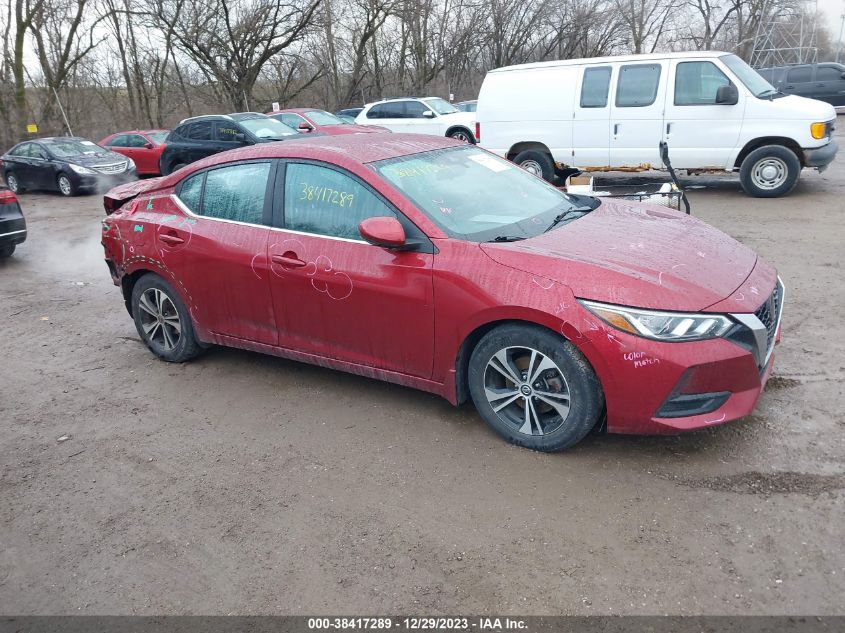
(171, 239)
(290, 262)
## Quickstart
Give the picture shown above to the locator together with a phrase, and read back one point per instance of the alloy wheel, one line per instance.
(12, 182)
(527, 390)
(461, 136)
(64, 185)
(159, 319)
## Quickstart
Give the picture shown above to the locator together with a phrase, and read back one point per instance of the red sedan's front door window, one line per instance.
(342, 297)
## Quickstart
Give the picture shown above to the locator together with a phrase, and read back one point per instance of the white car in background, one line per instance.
(430, 115)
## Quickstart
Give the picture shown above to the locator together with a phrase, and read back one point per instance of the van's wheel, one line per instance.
(65, 185)
(7, 250)
(537, 163)
(769, 171)
(562, 174)
(13, 183)
(162, 320)
(462, 134)
(534, 388)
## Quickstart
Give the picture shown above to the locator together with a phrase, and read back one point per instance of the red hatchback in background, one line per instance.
(142, 146)
(310, 120)
(434, 264)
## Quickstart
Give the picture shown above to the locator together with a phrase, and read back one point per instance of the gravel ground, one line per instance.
(241, 483)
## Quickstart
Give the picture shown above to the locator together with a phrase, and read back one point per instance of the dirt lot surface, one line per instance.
(241, 483)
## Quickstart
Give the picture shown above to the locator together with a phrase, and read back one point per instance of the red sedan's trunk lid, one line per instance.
(636, 255)
(120, 195)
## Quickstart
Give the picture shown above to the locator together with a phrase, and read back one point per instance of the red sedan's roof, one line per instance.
(345, 149)
(137, 132)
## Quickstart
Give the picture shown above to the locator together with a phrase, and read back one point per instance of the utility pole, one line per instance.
(64, 115)
(839, 41)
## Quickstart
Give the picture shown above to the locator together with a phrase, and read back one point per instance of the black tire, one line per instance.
(537, 162)
(6, 250)
(571, 383)
(176, 167)
(769, 171)
(462, 134)
(158, 334)
(13, 183)
(65, 185)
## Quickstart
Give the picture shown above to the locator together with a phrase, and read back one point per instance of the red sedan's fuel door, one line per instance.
(342, 297)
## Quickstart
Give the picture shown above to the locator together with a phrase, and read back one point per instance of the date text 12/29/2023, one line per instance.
(417, 623)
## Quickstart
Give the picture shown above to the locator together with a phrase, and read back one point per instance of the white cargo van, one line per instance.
(606, 114)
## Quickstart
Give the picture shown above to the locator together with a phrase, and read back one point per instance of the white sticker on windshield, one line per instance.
(87, 143)
(489, 162)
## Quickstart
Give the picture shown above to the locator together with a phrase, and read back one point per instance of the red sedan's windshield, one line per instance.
(474, 195)
(321, 117)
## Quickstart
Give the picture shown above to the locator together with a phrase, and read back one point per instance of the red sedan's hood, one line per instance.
(636, 255)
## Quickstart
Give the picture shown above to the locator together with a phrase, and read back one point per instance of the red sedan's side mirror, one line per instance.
(305, 127)
(148, 145)
(382, 231)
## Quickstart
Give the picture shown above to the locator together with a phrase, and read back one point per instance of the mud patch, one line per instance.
(781, 382)
(757, 483)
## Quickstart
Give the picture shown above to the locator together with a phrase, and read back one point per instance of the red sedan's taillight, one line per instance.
(477, 132)
(7, 197)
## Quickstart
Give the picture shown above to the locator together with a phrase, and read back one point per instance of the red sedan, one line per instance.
(311, 120)
(142, 146)
(433, 264)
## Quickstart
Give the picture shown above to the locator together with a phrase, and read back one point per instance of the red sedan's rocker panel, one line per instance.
(446, 301)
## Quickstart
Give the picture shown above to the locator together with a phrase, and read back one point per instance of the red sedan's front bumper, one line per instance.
(649, 373)
(654, 387)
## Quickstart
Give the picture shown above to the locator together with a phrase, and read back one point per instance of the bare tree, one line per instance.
(646, 21)
(232, 40)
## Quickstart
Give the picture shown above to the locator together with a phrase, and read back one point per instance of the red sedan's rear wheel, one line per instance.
(163, 321)
(534, 388)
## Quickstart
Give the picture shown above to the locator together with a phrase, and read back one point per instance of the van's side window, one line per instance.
(696, 83)
(637, 85)
(595, 87)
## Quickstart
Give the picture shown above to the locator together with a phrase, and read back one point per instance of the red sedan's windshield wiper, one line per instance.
(507, 238)
(560, 217)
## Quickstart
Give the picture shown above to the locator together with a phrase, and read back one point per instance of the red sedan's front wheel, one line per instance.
(534, 388)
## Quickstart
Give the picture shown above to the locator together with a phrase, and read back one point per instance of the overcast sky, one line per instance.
(832, 10)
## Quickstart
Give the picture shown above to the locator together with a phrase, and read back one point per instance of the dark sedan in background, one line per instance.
(12, 223)
(67, 164)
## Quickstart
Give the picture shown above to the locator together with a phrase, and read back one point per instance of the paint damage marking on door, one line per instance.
(321, 264)
(322, 286)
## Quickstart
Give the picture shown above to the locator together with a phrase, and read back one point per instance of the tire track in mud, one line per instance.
(758, 483)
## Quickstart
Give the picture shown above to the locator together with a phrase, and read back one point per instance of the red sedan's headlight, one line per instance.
(661, 326)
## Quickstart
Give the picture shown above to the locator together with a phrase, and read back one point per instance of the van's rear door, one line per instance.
(636, 113)
(700, 132)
